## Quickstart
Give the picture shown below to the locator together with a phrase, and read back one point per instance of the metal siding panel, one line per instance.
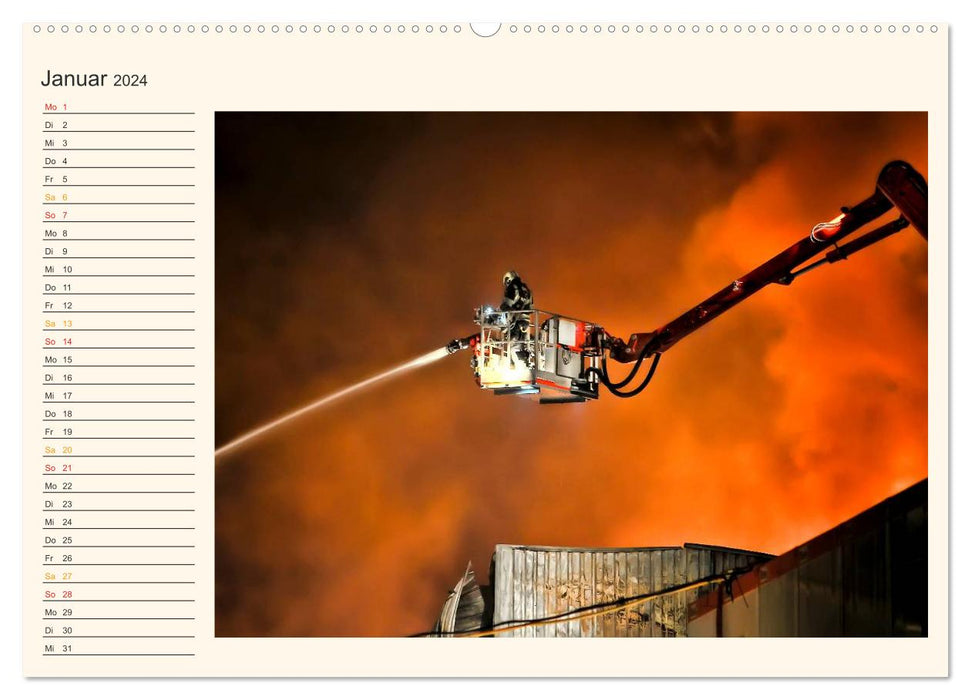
(865, 585)
(538, 582)
(620, 559)
(661, 604)
(820, 596)
(563, 590)
(630, 576)
(705, 569)
(538, 585)
(517, 592)
(640, 616)
(641, 584)
(692, 559)
(529, 591)
(539, 595)
(741, 616)
(611, 592)
(608, 593)
(703, 626)
(629, 571)
(682, 597)
(505, 585)
(631, 563)
(630, 589)
(586, 589)
(777, 602)
(669, 579)
(596, 590)
(908, 572)
(549, 593)
(655, 567)
(573, 600)
(678, 599)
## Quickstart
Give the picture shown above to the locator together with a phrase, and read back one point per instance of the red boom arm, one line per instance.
(898, 185)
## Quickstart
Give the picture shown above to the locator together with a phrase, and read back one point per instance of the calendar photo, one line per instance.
(452, 397)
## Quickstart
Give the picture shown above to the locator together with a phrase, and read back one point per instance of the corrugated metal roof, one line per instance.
(537, 582)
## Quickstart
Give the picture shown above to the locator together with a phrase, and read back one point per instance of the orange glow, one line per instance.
(348, 243)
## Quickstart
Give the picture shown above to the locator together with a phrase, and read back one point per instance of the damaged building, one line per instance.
(865, 577)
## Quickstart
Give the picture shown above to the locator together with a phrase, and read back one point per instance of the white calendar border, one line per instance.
(564, 9)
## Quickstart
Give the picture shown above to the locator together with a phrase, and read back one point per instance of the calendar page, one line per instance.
(414, 348)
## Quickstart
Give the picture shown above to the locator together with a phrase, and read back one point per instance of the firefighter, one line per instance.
(516, 297)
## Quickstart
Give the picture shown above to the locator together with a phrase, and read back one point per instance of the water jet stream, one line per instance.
(276, 423)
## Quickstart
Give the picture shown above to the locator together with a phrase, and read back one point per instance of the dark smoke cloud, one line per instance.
(347, 243)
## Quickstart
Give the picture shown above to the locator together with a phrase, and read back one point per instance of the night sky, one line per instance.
(346, 243)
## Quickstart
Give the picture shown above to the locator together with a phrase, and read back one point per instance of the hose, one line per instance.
(616, 387)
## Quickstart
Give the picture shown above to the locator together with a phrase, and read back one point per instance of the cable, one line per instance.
(643, 385)
(589, 611)
(615, 387)
(627, 380)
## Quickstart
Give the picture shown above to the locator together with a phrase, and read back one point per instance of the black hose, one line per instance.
(647, 380)
(615, 388)
(627, 380)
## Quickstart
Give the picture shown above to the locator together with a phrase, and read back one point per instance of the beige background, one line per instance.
(459, 71)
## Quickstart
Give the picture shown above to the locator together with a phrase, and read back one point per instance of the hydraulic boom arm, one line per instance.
(899, 186)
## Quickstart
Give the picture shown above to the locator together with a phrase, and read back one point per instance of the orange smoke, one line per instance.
(347, 243)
